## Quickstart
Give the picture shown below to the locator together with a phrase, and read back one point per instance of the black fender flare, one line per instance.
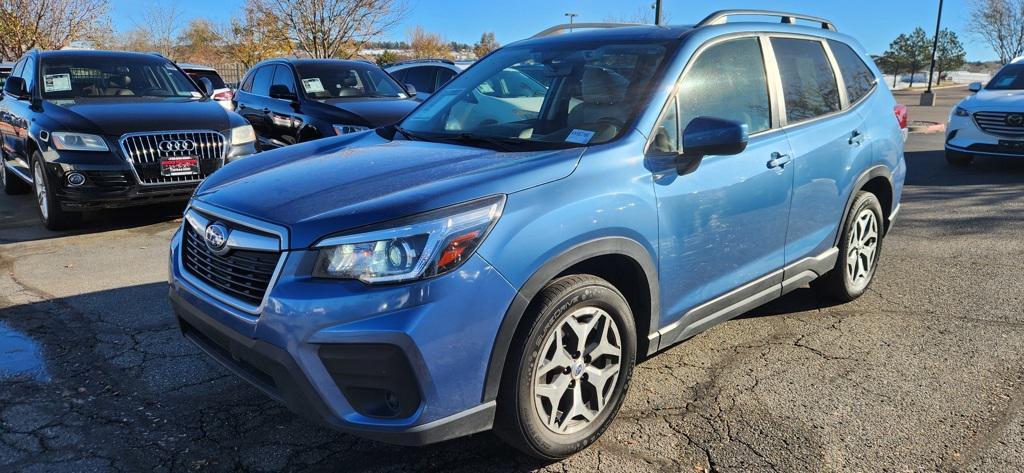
(879, 170)
(513, 316)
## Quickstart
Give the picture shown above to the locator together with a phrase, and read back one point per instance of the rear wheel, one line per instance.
(12, 183)
(569, 370)
(859, 250)
(957, 158)
(50, 212)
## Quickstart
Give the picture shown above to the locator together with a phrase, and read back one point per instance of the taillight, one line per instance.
(901, 115)
(225, 95)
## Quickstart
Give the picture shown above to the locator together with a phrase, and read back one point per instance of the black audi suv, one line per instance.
(98, 129)
(288, 101)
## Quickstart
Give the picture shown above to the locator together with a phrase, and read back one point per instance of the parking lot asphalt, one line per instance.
(924, 373)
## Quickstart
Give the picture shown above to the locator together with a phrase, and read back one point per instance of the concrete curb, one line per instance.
(926, 127)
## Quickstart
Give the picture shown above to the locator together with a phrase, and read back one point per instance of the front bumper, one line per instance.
(964, 136)
(443, 327)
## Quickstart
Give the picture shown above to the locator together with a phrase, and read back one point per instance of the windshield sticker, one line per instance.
(313, 85)
(57, 82)
(579, 136)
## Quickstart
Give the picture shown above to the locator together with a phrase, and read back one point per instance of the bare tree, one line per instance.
(163, 22)
(49, 24)
(643, 14)
(256, 35)
(201, 42)
(1001, 24)
(334, 28)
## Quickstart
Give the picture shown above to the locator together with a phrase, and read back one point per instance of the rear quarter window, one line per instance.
(857, 77)
(808, 82)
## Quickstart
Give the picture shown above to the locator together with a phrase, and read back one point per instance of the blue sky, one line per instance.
(874, 22)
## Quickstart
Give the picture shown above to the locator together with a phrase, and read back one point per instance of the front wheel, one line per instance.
(50, 213)
(859, 250)
(568, 370)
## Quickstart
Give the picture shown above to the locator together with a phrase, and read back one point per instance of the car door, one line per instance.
(827, 138)
(722, 228)
(17, 115)
(283, 117)
(252, 103)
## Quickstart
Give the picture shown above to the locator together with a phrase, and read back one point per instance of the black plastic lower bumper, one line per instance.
(275, 372)
(106, 190)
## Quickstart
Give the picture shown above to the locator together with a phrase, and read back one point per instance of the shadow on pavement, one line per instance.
(19, 220)
(929, 168)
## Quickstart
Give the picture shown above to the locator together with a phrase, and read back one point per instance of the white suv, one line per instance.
(426, 75)
(990, 122)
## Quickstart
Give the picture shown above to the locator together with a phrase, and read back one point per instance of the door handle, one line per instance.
(779, 160)
(266, 110)
(856, 138)
(241, 106)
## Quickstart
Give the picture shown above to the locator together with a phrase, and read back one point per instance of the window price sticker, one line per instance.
(313, 85)
(57, 82)
(580, 136)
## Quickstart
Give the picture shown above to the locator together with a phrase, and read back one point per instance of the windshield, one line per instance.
(1009, 78)
(91, 76)
(542, 97)
(330, 80)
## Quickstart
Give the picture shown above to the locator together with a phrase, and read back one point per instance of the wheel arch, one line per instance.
(605, 258)
(878, 181)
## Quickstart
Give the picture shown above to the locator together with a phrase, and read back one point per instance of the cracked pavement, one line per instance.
(923, 373)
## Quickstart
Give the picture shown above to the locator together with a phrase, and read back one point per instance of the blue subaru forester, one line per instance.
(566, 207)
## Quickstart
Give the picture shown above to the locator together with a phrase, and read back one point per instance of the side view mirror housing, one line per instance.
(410, 89)
(281, 92)
(705, 136)
(974, 87)
(207, 85)
(16, 87)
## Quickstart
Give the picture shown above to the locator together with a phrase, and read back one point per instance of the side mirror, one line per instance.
(207, 85)
(975, 87)
(16, 87)
(278, 91)
(705, 136)
(410, 89)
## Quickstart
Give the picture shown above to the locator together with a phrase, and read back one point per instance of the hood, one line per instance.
(335, 184)
(115, 117)
(995, 100)
(376, 112)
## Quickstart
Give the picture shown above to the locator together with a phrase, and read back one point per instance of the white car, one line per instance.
(990, 122)
(221, 92)
(426, 75)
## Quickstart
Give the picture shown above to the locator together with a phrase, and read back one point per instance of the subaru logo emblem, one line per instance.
(1015, 119)
(170, 146)
(578, 370)
(216, 237)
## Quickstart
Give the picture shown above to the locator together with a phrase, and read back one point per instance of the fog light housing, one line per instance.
(75, 179)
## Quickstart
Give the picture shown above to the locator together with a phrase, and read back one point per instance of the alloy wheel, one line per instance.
(862, 248)
(577, 370)
(40, 185)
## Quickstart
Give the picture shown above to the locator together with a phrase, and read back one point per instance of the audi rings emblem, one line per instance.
(169, 146)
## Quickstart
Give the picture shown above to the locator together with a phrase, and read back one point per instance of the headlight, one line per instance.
(346, 129)
(417, 247)
(77, 141)
(241, 135)
(961, 112)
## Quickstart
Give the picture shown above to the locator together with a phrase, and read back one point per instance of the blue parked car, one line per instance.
(502, 260)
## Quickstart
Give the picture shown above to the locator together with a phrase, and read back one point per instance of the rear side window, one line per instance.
(727, 81)
(247, 84)
(261, 82)
(422, 78)
(443, 76)
(808, 83)
(284, 79)
(858, 78)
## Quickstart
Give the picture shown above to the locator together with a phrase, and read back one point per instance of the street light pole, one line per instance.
(657, 12)
(928, 98)
(571, 16)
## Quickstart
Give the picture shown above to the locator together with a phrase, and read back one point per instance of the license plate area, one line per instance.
(179, 166)
(1012, 145)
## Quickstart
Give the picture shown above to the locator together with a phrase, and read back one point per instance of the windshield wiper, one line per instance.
(409, 135)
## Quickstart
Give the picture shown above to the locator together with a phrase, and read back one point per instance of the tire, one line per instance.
(860, 249)
(50, 213)
(13, 185)
(567, 304)
(956, 158)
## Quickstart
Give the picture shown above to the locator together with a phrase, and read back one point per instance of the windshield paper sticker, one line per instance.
(313, 85)
(57, 82)
(579, 136)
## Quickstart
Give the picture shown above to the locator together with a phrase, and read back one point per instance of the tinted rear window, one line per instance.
(218, 83)
(262, 79)
(808, 83)
(858, 78)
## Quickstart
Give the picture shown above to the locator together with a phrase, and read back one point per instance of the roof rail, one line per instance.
(417, 61)
(558, 29)
(720, 17)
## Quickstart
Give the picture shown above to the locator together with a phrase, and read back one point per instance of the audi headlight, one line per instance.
(421, 246)
(961, 112)
(63, 140)
(346, 129)
(241, 135)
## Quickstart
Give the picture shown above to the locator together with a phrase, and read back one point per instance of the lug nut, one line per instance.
(568, 370)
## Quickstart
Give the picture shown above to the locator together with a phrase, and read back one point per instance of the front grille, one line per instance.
(1000, 123)
(241, 274)
(145, 153)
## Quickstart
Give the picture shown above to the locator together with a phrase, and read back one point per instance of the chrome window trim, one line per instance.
(131, 163)
(242, 220)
